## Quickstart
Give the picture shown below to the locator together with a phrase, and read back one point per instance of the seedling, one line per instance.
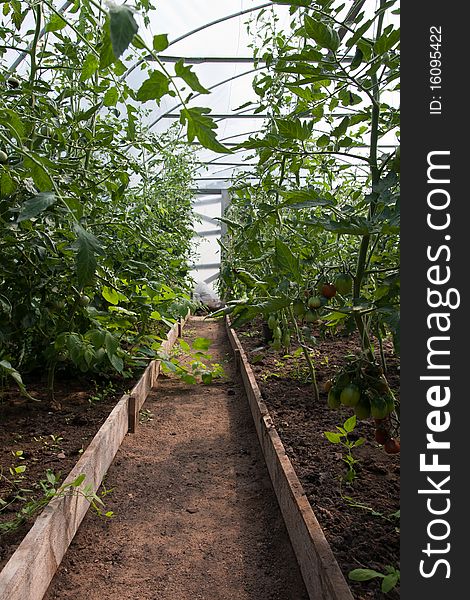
(389, 579)
(347, 445)
(50, 488)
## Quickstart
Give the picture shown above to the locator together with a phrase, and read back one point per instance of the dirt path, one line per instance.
(196, 516)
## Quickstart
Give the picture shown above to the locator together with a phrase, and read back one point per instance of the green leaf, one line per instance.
(201, 127)
(294, 129)
(122, 28)
(357, 59)
(184, 345)
(36, 205)
(90, 66)
(160, 42)
(117, 362)
(334, 438)
(38, 174)
(111, 97)
(390, 581)
(323, 141)
(206, 378)
(154, 88)
(6, 367)
(189, 77)
(7, 184)
(359, 33)
(12, 121)
(287, 260)
(88, 247)
(349, 424)
(56, 23)
(322, 34)
(364, 574)
(341, 128)
(201, 343)
(111, 344)
(110, 295)
(386, 41)
(79, 480)
(107, 57)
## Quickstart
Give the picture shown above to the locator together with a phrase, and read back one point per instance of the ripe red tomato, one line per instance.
(392, 446)
(328, 290)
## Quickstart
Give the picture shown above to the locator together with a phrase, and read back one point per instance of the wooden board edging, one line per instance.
(320, 571)
(28, 573)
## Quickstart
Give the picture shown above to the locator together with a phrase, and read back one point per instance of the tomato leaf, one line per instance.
(88, 247)
(201, 343)
(90, 66)
(122, 28)
(56, 23)
(322, 34)
(200, 126)
(160, 42)
(153, 88)
(36, 205)
(189, 77)
(286, 259)
(39, 175)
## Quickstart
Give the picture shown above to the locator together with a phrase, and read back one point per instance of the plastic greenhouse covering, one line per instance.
(216, 38)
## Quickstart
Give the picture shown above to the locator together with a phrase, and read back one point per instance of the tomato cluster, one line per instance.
(361, 387)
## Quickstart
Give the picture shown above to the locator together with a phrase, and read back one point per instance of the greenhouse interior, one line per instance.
(199, 300)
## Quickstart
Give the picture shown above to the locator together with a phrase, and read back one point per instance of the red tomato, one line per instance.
(328, 290)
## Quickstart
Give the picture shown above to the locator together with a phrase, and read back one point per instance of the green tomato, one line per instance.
(84, 300)
(277, 333)
(299, 308)
(276, 345)
(343, 284)
(311, 316)
(314, 302)
(333, 399)
(362, 408)
(350, 395)
(3, 157)
(378, 407)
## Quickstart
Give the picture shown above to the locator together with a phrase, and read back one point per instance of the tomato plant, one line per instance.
(95, 209)
(324, 216)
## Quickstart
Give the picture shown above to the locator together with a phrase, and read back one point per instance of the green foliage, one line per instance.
(95, 209)
(389, 579)
(327, 201)
(348, 445)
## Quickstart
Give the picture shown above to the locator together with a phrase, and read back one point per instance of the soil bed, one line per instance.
(365, 536)
(196, 517)
(40, 439)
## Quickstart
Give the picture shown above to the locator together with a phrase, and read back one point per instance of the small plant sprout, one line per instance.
(390, 578)
(341, 437)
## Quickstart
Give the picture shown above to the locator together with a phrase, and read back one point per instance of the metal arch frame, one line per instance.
(212, 87)
(198, 29)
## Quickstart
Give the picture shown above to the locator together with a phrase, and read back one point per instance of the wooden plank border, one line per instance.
(28, 573)
(320, 570)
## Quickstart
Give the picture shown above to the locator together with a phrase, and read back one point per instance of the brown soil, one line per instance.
(366, 537)
(195, 514)
(38, 438)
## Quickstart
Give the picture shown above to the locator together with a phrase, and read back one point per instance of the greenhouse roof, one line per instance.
(215, 37)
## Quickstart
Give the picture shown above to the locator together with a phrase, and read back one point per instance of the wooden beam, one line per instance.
(28, 573)
(320, 570)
